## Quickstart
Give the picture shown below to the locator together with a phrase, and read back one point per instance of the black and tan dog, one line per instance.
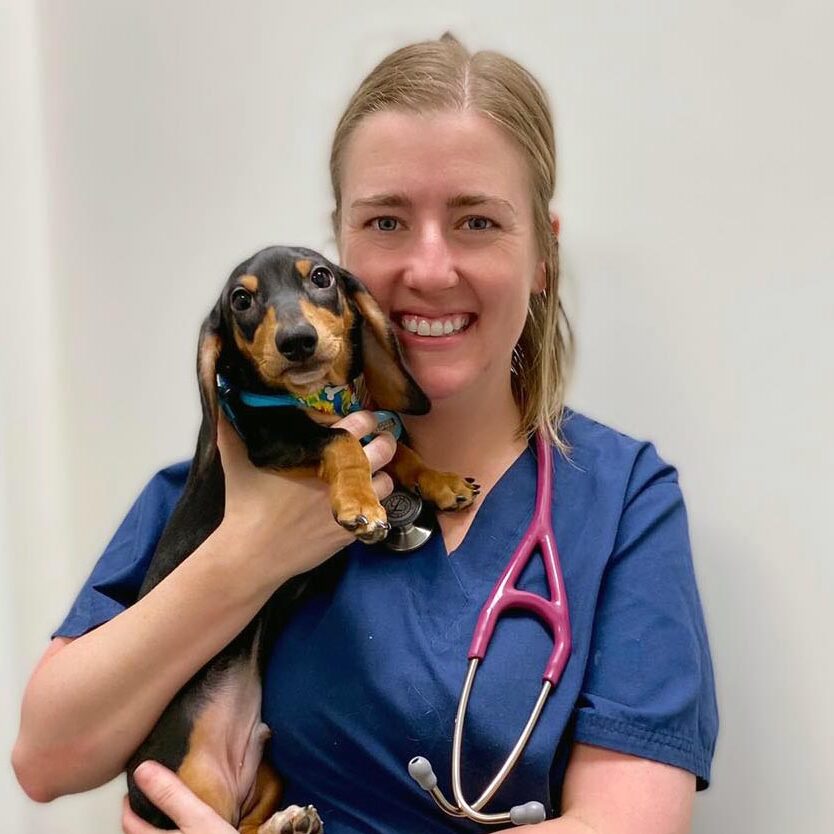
(291, 322)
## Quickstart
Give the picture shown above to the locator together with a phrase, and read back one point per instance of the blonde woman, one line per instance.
(443, 168)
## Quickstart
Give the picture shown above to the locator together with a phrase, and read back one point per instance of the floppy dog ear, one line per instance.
(208, 352)
(387, 379)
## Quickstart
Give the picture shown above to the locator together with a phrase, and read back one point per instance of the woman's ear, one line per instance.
(540, 281)
(210, 346)
(387, 379)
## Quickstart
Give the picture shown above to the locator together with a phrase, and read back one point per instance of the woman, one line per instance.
(442, 169)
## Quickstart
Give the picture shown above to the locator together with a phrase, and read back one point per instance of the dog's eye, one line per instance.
(241, 299)
(322, 277)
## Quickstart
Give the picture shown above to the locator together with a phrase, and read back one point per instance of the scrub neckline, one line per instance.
(489, 499)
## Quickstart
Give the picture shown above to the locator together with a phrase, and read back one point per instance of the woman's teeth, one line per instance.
(434, 327)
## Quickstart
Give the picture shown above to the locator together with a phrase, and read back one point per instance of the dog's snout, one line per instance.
(298, 343)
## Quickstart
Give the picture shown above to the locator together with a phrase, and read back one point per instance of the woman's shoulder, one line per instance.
(611, 457)
(168, 483)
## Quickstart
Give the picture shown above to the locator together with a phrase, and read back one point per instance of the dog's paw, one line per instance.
(446, 490)
(293, 820)
(362, 514)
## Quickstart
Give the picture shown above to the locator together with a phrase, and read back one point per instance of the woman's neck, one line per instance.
(473, 433)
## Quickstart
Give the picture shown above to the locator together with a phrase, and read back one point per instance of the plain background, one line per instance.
(147, 147)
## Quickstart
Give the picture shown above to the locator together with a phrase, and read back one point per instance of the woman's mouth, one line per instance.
(434, 327)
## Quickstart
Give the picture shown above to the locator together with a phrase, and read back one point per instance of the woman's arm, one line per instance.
(91, 701)
(606, 792)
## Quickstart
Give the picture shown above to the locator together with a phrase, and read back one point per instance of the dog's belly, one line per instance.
(227, 741)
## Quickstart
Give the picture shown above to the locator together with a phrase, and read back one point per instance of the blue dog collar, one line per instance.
(340, 400)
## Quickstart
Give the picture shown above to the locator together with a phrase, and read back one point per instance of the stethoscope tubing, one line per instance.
(504, 597)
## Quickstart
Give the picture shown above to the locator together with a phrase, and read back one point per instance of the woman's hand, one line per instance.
(170, 795)
(286, 515)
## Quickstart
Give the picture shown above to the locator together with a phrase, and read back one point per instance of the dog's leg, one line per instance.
(265, 796)
(446, 490)
(355, 505)
(262, 801)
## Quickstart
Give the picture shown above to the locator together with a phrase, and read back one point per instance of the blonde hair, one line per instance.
(441, 75)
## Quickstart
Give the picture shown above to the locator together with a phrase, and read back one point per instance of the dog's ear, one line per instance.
(208, 352)
(387, 379)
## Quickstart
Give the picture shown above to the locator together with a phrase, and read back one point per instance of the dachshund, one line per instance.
(288, 323)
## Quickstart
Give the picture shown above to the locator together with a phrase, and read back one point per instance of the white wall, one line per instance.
(149, 146)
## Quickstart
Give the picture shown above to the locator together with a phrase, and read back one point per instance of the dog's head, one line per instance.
(289, 320)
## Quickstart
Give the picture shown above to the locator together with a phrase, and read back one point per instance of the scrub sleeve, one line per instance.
(648, 687)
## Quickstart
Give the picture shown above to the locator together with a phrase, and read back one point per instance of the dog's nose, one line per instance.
(298, 343)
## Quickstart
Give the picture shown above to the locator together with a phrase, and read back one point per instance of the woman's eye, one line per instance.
(479, 224)
(241, 299)
(385, 224)
(322, 277)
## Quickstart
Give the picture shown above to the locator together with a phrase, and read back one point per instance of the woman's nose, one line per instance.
(431, 264)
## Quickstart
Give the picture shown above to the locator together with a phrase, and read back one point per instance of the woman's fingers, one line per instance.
(172, 796)
(358, 423)
(382, 484)
(132, 824)
(381, 449)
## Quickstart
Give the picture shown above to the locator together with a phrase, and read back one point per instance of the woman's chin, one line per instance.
(446, 386)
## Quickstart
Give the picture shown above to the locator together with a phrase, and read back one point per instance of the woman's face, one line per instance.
(437, 222)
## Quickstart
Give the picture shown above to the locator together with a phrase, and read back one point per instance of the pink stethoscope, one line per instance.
(505, 596)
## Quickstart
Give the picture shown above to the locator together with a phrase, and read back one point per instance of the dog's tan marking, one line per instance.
(346, 468)
(250, 282)
(334, 339)
(343, 362)
(201, 773)
(303, 267)
(262, 351)
(226, 742)
(263, 801)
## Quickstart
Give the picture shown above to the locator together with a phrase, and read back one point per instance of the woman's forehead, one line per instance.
(447, 155)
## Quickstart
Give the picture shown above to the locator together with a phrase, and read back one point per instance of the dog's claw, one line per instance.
(293, 820)
(376, 534)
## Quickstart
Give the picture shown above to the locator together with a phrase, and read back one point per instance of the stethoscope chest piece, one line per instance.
(410, 526)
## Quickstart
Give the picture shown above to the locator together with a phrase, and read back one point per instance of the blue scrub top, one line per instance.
(367, 673)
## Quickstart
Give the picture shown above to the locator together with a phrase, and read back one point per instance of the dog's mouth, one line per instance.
(307, 375)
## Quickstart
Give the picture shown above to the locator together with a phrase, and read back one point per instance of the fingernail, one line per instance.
(143, 769)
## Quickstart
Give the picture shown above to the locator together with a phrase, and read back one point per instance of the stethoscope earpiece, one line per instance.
(409, 527)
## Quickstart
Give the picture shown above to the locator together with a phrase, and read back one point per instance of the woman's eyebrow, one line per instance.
(383, 201)
(474, 200)
(396, 200)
